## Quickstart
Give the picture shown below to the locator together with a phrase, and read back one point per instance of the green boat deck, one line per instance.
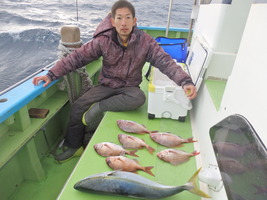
(52, 176)
(92, 163)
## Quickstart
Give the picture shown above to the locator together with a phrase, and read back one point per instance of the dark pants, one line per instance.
(121, 99)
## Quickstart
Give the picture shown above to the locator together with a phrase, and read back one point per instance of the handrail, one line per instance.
(20, 95)
(46, 68)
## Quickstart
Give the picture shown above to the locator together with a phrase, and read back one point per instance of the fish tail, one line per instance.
(180, 145)
(259, 189)
(153, 131)
(148, 170)
(132, 153)
(192, 186)
(195, 153)
(190, 140)
(150, 149)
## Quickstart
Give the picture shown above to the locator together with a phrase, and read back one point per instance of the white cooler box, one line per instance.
(165, 98)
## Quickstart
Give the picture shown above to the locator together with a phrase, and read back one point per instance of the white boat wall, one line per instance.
(236, 34)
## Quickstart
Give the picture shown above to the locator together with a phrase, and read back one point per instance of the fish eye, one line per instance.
(161, 156)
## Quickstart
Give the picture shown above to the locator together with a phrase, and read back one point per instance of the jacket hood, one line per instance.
(104, 26)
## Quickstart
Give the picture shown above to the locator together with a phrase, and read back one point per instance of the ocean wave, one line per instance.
(13, 22)
(29, 33)
(32, 35)
(23, 53)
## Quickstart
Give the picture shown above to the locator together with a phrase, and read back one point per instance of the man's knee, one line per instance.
(128, 99)
(139, 97)
(134, 98)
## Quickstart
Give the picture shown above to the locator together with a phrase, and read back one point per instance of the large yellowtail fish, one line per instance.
(134, 185)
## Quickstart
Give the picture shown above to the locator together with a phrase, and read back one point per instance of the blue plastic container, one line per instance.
(176, 47)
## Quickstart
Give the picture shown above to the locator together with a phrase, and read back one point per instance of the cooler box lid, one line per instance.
(198, 60)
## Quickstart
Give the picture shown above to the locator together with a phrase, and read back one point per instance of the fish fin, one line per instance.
(132, 153)
(120, 159)
(180, 145)
(107, 146)
(150, 149)
(174, 163)
(126, 147)
(153, 131)
(191, 140)
(143, 125)
(180, 161)
(131, 138)
(122, 153)
(110, 173)
(135, 160)
(148, 170)
(192, 187)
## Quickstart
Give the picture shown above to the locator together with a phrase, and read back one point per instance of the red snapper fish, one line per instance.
(131, 142)
(231, 150)
(170, 140)
(110, 149)
(126, 164)
(175, 156)
(133, 127)
(232, 166)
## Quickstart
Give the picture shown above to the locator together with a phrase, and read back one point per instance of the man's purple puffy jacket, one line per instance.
(122, 66)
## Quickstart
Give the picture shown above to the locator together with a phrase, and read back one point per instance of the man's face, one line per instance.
(123, 22)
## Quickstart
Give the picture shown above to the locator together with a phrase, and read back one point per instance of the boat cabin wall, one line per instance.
(245, 90)
(244, 93)
(222, 25)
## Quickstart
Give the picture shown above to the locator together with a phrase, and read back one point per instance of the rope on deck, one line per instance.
(66, 48)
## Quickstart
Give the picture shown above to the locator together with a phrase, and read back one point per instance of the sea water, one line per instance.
(29, 29)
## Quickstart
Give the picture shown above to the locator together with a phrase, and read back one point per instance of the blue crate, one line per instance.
(175, 47)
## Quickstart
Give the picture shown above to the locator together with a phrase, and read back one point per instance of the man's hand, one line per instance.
(46, 79)
(190, 91)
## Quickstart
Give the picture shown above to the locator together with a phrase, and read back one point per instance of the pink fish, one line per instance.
(132, 127)
(175, 156)
(231, 166)
(258, 164)
(260, 189)
(126, 164)
(170, 140)
(110, 149)
(131, 142)
(232, 150)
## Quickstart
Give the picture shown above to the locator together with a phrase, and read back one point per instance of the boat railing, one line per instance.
(46, 68)
(21, 93)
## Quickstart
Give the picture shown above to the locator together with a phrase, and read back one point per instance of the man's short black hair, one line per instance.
(122, 4)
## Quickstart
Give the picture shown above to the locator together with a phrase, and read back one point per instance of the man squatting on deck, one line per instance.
(125, 49)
